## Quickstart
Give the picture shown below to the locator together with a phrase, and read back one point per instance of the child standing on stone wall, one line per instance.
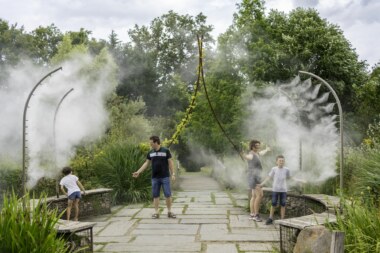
(73, 186)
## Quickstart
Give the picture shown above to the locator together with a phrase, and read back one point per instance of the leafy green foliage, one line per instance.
(225, 90)
(367, 99)
(366, 172)
(127, 120)
(360, 221)
(157, 55)
(114, 167)
(10, 175)
(28, 227)
(276, 46)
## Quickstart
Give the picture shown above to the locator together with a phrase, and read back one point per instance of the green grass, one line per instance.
(27, 228)
(360, 221)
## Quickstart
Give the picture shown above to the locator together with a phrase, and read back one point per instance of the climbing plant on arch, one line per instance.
(186, 119)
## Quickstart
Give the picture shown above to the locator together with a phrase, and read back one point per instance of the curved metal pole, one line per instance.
(24, 130)
(54, 138)
(298, 121)
(340, 123)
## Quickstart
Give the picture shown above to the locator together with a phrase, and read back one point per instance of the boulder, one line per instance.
(314, 239)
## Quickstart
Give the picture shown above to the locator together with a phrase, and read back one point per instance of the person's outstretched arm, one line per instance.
(142, 168)
(299, 180)
(265, 180)
(266, 150)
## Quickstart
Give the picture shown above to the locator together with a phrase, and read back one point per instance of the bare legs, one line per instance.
(254, 204)
(282, 212)
(169, 204)
(70, 204)
(156, 203)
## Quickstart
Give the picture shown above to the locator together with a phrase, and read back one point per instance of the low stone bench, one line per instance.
(78, 235)
(95, 202)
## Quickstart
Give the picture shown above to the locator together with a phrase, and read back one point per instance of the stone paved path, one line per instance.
(209, 220)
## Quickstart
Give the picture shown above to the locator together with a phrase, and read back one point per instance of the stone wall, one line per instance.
(95, 202)
(296, 204)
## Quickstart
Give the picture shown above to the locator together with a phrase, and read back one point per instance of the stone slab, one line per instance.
(219, 201)
(163, 239)
(209, 211)
(133, 247)
(117, 228)
(257, 236)
(218, 248)
(159, 221)
(111, 239)
(203, 221)
(127, 212)
(199, 216)
(166, 226)
(254, 247)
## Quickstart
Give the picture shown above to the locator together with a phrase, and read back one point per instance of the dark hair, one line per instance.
(279, 156)
(155, 139)
(66, 171)
(253, 143)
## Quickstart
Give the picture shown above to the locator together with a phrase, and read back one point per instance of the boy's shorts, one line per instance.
(156, 186)
(276, 195)
(74, 195)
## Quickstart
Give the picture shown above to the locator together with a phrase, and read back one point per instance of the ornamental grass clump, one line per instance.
(114, 168)
(360, 221)
(28, 227)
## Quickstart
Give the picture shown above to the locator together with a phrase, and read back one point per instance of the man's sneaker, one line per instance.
(269, 221)
(252, 216)
(257, 218)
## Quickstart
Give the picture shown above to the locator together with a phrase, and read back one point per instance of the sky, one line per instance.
(359, 19)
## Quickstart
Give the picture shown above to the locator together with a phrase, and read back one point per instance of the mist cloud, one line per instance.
(82, 115)
(294, 119)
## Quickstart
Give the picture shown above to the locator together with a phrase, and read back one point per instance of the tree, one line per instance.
(224, 90)
(157, 55)
(45, 43)
(367, 100)
(276, 46)
(14, 43)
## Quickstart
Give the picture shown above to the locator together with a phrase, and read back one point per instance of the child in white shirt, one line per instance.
(73, 186)
(280, 174)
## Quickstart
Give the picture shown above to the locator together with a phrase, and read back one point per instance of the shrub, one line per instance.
(361, 223)
(364, 166)
(114, 168)
(10, 175)
(28, 228)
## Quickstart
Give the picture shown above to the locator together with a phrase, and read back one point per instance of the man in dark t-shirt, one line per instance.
(162, 167)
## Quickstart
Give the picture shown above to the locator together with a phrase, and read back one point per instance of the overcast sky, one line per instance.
(359, 19)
